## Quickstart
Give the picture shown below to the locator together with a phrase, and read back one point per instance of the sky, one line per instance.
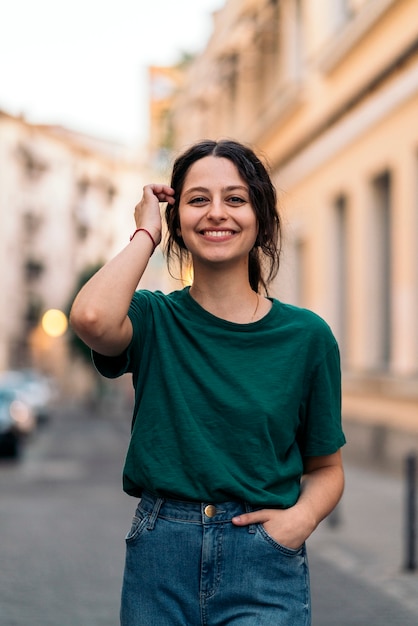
(83, 63)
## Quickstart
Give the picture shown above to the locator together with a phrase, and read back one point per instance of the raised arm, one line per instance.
(99, 314)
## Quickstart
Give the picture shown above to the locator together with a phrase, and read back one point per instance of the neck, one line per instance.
(221, 283)
(228, 296)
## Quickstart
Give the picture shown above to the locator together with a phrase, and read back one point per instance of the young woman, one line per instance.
(236, 434)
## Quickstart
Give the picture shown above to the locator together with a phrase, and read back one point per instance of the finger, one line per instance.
(163, 193)
(158, 188)
(255, 517)
(163, 197)
(170, 199)
(166, 194)
(168, 190)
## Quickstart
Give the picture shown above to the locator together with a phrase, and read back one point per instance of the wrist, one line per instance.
(307, 519)
(148, 234)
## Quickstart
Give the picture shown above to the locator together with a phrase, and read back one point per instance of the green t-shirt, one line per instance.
(227, 411)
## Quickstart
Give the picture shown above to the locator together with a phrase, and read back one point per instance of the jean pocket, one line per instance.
(139, 523)
(275, 544)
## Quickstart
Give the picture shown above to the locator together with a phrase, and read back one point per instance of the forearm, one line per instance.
(321, 491)
(99, 312)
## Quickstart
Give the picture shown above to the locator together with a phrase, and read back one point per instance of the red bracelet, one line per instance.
(149, 235)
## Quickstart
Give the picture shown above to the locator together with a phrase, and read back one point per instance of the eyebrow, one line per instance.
(206, 190)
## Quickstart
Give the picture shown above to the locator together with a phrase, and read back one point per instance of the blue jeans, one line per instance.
(188, 565)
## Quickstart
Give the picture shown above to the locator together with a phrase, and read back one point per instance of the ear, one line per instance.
(178, 232)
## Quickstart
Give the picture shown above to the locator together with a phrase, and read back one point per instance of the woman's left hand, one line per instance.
(286, 526)
(321, 488)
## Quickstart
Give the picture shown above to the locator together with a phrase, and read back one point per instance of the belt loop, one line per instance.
(251, 527)
(155, 511)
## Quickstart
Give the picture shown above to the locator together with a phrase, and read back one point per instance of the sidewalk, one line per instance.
(71, 474)
(357, 569)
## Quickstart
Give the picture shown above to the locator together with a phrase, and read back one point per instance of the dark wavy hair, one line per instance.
(264, 257)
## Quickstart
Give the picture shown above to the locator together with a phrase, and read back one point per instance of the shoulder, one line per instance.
(301, 317)
(156, 298)
(305, 326)
(155, 303)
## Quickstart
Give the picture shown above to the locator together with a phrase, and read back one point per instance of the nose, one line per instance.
(216, 210)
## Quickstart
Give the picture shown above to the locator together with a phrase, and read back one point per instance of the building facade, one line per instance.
(327, 91)
(66, 205)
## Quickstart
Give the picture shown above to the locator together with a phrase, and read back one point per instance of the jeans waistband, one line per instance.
(199, 512)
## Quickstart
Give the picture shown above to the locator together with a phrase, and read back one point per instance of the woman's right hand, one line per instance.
(147, 211)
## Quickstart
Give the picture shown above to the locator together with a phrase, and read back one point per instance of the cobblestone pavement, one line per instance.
(357, 565)
(63, 517)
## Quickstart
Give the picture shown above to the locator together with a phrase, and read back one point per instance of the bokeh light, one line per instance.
(54, 322)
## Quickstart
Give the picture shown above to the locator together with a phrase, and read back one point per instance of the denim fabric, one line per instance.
(186, 568)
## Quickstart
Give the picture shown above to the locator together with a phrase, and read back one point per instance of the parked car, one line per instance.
(17, 421)
(33, 388)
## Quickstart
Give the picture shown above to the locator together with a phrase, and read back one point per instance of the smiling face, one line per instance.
(217, 220)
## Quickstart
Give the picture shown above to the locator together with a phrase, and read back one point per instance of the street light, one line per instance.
(54, 323)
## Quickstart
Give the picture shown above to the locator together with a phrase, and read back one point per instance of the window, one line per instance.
(341, 269)
(379, 268)
(33, 166)
(301, 272)
(342, 12)
(34, 268)
(295, 52)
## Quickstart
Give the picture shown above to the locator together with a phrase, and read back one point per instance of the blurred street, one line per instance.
(63, 517)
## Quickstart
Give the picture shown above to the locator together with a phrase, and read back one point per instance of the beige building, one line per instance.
(164, 83)
(66, 204)
(327, 90)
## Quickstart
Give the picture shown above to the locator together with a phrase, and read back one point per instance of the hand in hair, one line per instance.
(147, 211)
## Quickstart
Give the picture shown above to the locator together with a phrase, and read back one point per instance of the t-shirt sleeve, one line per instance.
(111, 366)
(115, 366)
(322, 432)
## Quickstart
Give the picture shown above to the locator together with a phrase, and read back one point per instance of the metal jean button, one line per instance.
(210, 510)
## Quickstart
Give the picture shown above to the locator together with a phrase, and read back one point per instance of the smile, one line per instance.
(217, 233)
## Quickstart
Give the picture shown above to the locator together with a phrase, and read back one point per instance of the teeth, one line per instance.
(218, 233)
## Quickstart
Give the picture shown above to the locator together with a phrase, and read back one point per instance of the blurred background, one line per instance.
(326, 90)
(96, 99)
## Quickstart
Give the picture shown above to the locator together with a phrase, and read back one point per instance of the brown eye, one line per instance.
(236, 200)
(198, 200)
